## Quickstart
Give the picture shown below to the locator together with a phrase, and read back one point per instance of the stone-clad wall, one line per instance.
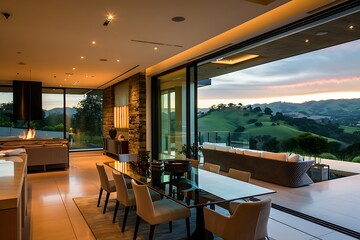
(137, 112)
(108, 110)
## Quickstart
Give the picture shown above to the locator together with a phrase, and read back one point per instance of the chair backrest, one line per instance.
(104, 180)
(144, 204)
(121, 189)
(194, 162)
(249, 221)
(130, 157)
(212, 167)
(239, 175)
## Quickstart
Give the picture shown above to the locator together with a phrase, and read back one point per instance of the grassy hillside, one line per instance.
(229, 119)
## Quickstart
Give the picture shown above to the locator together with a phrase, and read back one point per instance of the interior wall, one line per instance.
(136, 97)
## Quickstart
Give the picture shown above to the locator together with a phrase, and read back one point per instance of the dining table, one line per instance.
(197, 188)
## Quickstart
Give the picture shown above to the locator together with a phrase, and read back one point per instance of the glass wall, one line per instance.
(75, 114)
(6, 112)
(84, 119)
(172, 108)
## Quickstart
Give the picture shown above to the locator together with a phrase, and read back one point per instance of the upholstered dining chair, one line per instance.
(239, 175)
(248, 222)
(194, 162)
(165, 210)
(126, 196)
(105, 184)
(242, 176)
(128, 157)
(212, 167)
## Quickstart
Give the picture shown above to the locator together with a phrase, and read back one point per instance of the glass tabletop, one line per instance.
(194, 188)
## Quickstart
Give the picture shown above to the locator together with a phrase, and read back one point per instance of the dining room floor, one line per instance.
(54, 215)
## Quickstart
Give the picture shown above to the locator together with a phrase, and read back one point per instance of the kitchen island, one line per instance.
(13, 197)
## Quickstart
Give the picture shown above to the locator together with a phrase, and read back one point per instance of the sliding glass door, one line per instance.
(173, 129)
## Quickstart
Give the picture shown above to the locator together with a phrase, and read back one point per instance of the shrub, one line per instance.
(250, 121)
(328, 156)
(258, 124)
(356, 159)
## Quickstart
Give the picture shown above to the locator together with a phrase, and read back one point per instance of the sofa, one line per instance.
(43, 153)
(280, 168)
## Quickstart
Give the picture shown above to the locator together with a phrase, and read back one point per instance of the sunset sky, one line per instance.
(331, 73)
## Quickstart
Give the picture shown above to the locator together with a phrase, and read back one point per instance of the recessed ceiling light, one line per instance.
(155, 48)
(82, 57)
(178, 19)
(118, 60)
(109, 18)
(321, 33)
(351, 27)
(73, 68)
(307, 40)
(93, 42)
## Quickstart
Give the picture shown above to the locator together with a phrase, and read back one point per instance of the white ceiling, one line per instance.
(43, 40)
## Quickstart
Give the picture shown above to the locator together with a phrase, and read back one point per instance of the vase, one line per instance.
(112, 133)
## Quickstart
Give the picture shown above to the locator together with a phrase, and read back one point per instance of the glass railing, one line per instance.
(234, 139)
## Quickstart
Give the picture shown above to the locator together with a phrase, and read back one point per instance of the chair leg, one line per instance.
(106, 201)
(116, 209)
(187, 228)
(136, 227)
(125, 217)
(100, 194)
(152, 230)
(170, 226)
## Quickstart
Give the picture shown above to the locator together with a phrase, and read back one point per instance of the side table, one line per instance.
(320, 172)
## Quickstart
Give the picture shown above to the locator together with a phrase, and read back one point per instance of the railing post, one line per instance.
(229, 138)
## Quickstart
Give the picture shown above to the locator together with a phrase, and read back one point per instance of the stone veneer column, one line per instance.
(108, 110)
(137, 113)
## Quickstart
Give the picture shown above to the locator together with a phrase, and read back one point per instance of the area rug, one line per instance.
(103, 229)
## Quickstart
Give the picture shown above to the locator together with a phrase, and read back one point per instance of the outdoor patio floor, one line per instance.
(335, 201)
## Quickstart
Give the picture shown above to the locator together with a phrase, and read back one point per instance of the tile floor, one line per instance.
(55, 216)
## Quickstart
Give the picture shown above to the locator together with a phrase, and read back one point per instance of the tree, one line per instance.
(239, 129)
(88, 118)
(221, 106)
(311, 144)
(267, 111)
(257, 109)
(272, 145)
(231, 105)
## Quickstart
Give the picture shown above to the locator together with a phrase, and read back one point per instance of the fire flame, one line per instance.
(29, 134)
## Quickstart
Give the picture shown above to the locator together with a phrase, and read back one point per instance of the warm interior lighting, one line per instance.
(121, 117)
(29, 134)
(236, 59)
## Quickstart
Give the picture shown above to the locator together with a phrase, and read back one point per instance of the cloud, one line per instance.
(330, 70)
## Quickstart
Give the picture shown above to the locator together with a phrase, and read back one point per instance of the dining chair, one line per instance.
(248, 222)
(239, 175)
(242, 176)
(194, 163)
(128, 157)
(126, 196)
(165, 210)
(212, 167)
(105, 184)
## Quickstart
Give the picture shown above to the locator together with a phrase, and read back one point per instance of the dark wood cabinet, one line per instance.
(115, 147)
